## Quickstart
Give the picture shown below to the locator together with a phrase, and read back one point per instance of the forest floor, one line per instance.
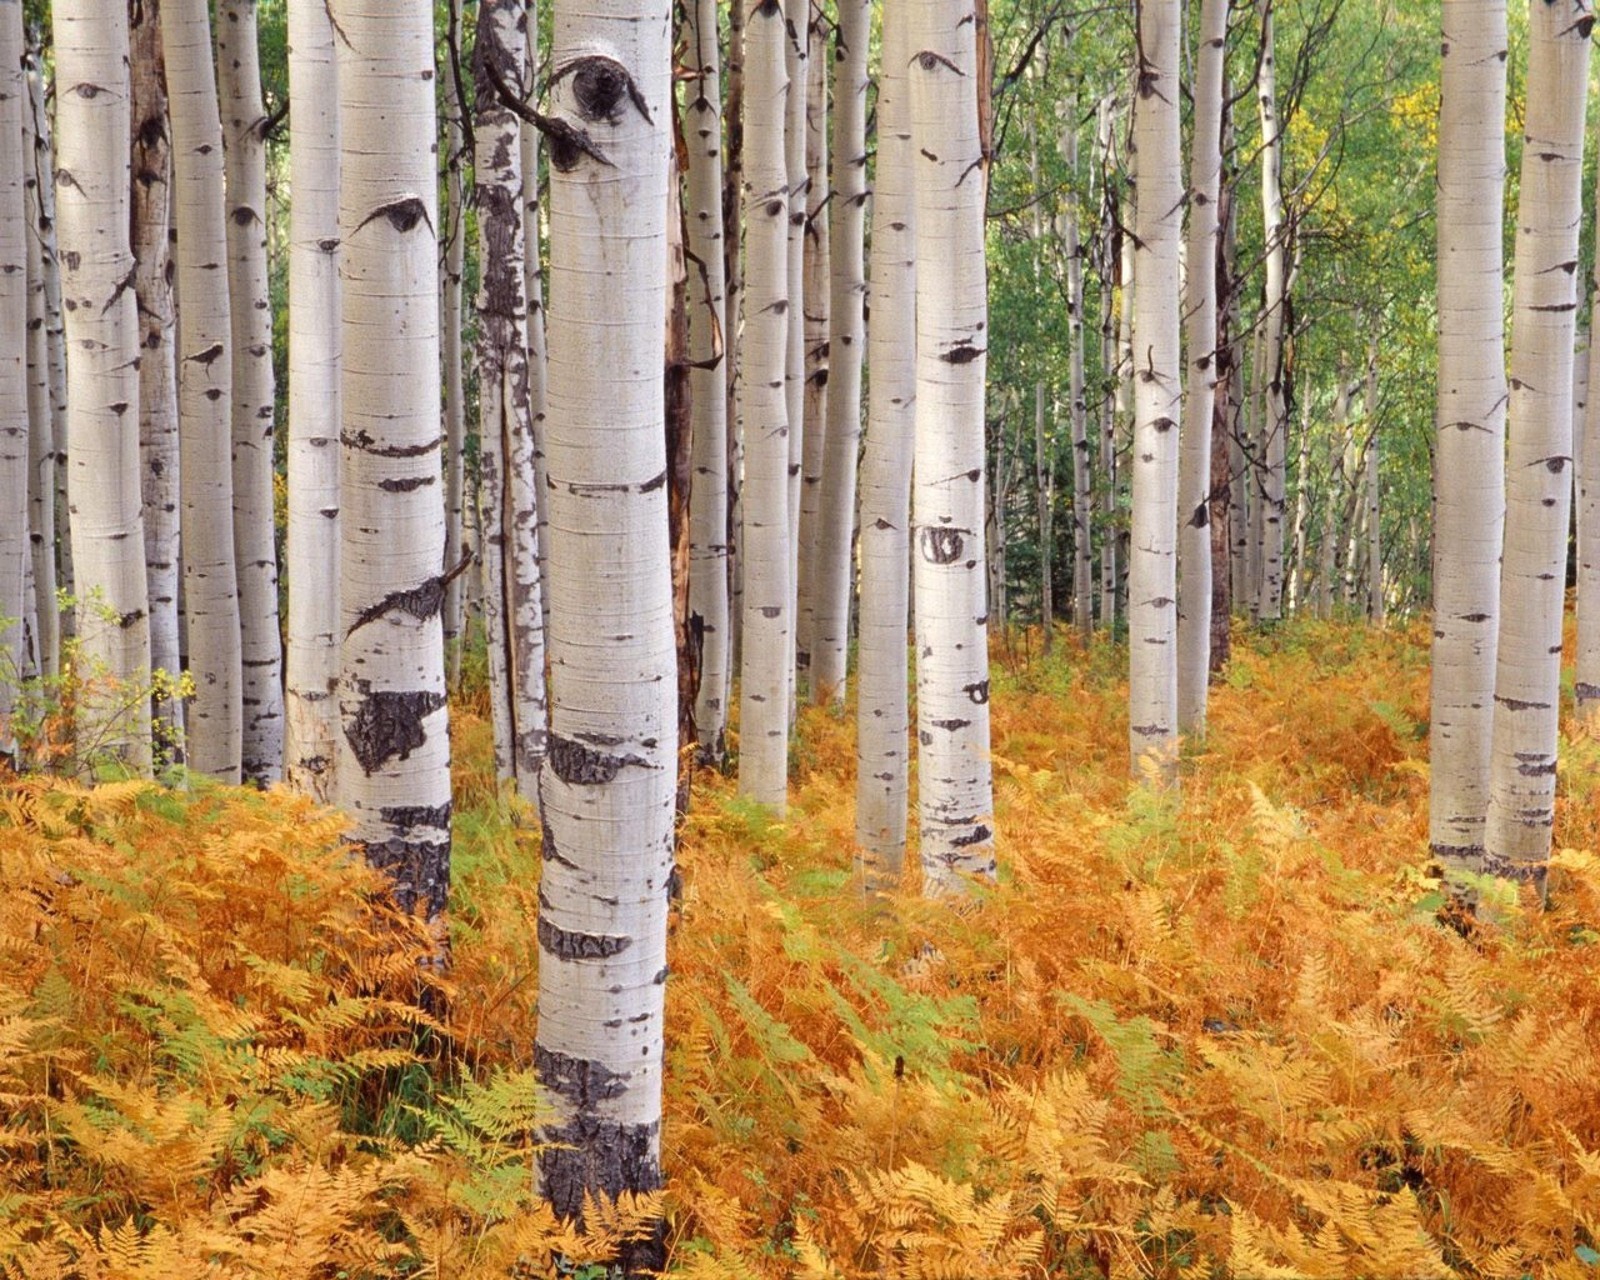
(1230, 1037)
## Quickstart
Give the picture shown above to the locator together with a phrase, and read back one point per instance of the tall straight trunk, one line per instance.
(505, 417)
(1295, 569)
(1328, 542)
(1533, 570)
(1587, 682)
(102, 330)
(816, 273)
(1254, 439)
(797, 15)
(1225, 486)
(708, 499)
(764, 539)
(1082, 462)
(533, 287)
(1124, 419)
(834, 561)
(1275, 388)
(15, 552)
(41, 417)
(261, 648)
(1110, 258)
(394, 752)
(1373, 490)
(158, 377)
(44, 164)
(1043, 466)
(1158, 396)
(205, 394)
(452, 322)
(1241, 477)
(609, 783)
(1194, 479)
(882, 711)
(955, 785)
(311, 748)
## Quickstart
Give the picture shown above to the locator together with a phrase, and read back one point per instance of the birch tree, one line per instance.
(955, 787)
(42, 411)
(830, 637)
(394, 753)
(708, 344)
(882, 712)
(312, 705)
(1533, 572)
(250, 314)
(93, 118)
(454, 231)
(205, 394)
(765, 533)
(816, 272)
(15, 552)
(609, 781)
(1194, 478)
(1274, 388)
(1157, 392)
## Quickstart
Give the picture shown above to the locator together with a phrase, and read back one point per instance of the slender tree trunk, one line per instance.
(764, 541)
(41, 416)
(1275, 403)
(533, 287)
(1294, 569)
(1082, 461)
(1194, 481)
(158, 390)
(92, 190)
(609, 782)
(882, 711)
(817, 271)
(504, 399)
(16, 556)
(1043, 470)
(830, 639)
(708, 500)
(1110, 367)
(1328, 543)
(1587, 682)
(1158, 394)
(1225, 487)
(311, 749)
(1375, 597)
(1533, 571)
(455, 406)
(261, 648)
(797, 54)
(955, 788)
(394, 754)
(205, 394)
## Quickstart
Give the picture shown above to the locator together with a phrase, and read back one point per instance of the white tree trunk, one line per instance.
(1110, 366)
(504, 398)
(796, 54)
(394, 753)
(1587, 681)
(533, 287)
(102, 332)
(205, 394)
(1194, 479)
(454, 232)
(1082, 465)
(1043, 462)
(882, 713)
(41, 417)
(158, 385)
(261, 649)
(311, 749)
(15, 552)
(609, 780)
(766, 531)
(834, 563)
(1158, 395)
(955, 788)
(708, 346)
(816, 274)
(1372, 494)
(1274, 399)
(1533, 571)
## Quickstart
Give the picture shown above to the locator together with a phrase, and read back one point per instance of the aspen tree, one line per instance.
(797, 15)
(1082, 466)
(505, 403)
(1372, 493)
(708, 345)
(394, 752)
(538, 359)
(882, 712)
(1194, 478)
(1110, 258)
(261, 650)
(311, 749)
(158, 387)
(830, 637)
(1158, 393)
(1527, 686)
(93, 116)
(609, 783)
(15, 552)
(41, 414)
(816, 273)
(456, 502)
(765, 536)
(955, 787)
(205, 394)
(1274, 326)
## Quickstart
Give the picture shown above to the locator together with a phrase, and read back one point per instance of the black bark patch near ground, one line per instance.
(419, 870)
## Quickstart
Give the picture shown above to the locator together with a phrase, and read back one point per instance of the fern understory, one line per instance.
(1227, 1039)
